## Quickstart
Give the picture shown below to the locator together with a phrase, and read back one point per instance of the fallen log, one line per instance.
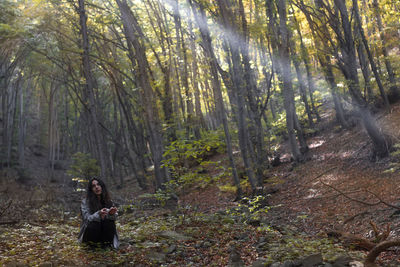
(351, 240)
(8, 222)
(378, 249)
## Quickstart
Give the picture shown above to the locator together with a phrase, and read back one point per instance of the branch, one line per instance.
(322, 174)
(9, 222)
(350, 198)
(6, 208)
(350, 240)
(374, 253)
(382, 201)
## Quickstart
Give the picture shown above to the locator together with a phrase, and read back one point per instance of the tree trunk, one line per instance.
(205, 35)
(370, 57)
(255, 125)
(394, 91)
(199, 119)
(302, 89)
(349, 69)
(152, 121)
(287, 87)
(325, 62)
(89, 91)
(306, 60)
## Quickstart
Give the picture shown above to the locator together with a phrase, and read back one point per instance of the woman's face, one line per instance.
(96, 188)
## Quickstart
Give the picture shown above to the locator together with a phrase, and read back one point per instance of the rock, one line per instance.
(356, 264)
(207, 244)
(198, 244)
(342, 261)
(290, 264)
(254, 222)
(312, 260)
(234, 259)
(260, 262)
(16, 264)
(276, 264)
(174, 236)
(262, 246)
(156, 256)
(171, 249)
(149, 244)
(262, 239)
(46, 264)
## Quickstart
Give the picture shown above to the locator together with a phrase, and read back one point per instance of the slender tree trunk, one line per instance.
(394, 91)
(205, 35)
(199, 119)
(255, 125)
(369, 54)
(302, 89)
(236, 91)
(349, 69)
(152, 120)
(306, 60)
(89, 90)
(286, 73)
(325, 62)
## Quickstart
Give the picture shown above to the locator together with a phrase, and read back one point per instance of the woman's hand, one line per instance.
(103, 213)
(112, 210)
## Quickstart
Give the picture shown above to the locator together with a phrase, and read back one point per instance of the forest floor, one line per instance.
(338, 188)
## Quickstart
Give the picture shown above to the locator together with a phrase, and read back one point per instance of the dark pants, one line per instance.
(100, 233)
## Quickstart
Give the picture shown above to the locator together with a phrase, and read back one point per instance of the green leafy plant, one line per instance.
(183, 153)
(82, 168)
(394, 165)
(250, 209)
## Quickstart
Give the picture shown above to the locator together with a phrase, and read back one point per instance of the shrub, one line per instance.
(82, 168)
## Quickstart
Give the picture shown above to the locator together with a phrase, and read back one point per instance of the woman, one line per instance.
(98, 217)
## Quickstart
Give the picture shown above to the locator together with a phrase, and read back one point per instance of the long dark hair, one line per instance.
(95, 203)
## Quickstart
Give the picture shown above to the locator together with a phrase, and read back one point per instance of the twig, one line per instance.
(8, 222)
(374, 253)
(322, 174)
(382, 201)
(348, 197)
(6, 208)
(354, 216)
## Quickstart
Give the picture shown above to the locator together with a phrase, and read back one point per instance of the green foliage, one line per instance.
(183, 153)
(82, 168)
(293, 247)
(249, 209)
(279, 127)
(395, 162)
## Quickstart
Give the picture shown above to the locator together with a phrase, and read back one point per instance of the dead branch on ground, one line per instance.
(8, 222)
(380, 200)
(380, 236)
(354, 216)
(351, 240)
(378, 249)
(7, 206)
(375, 247)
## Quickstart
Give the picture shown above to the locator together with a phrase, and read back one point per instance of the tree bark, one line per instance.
(394, 91)
(89, 90)
(306, 60)
(349, 69)
(216, 86)
(369, 54)
(152, 121)
(286, 74)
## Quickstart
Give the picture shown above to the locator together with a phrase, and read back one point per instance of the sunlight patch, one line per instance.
(317, 143)
(312, 193)
(329, 177)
